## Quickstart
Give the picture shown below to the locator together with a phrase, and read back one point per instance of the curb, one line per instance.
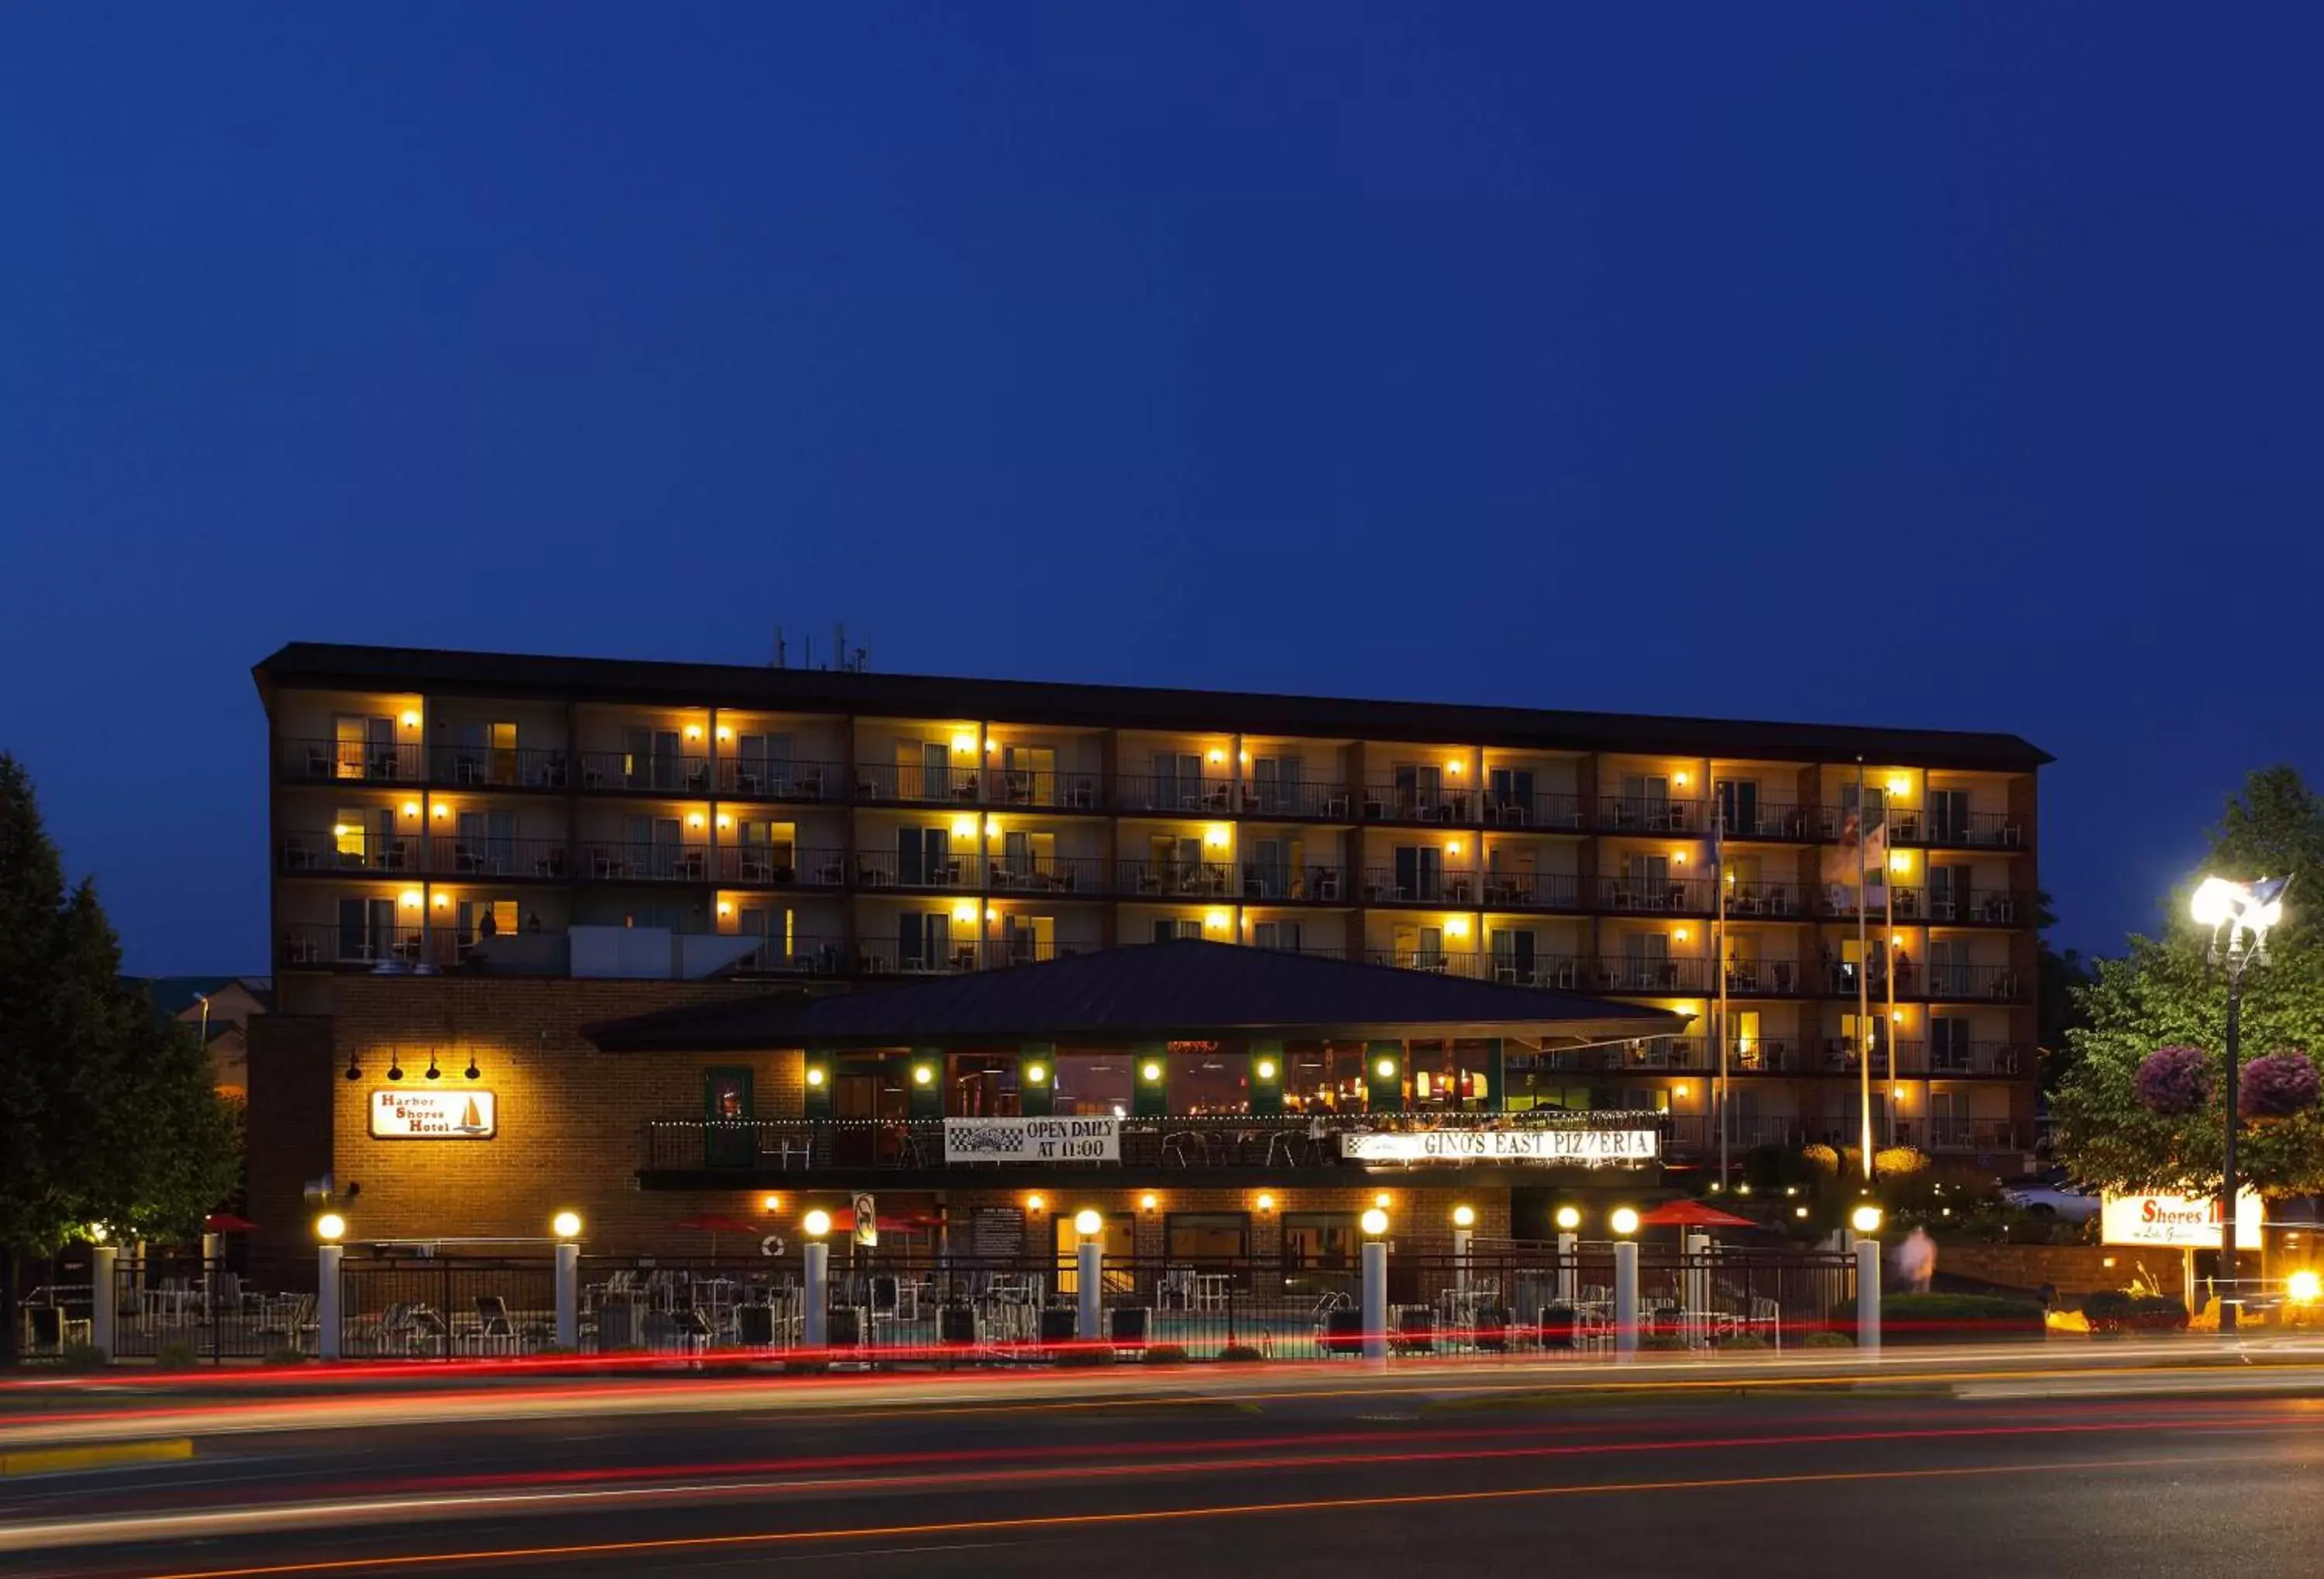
(48, 1461)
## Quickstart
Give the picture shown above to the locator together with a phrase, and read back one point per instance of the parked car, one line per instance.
(2052, 1196)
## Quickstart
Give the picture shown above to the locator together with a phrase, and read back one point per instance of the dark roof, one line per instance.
(312, 665)
(1151, 991)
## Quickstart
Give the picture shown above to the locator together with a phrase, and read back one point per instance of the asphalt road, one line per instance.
(1399, 1476)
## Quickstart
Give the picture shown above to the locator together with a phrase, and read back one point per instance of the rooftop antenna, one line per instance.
(781, 661)
(839, 645)
(806, 651)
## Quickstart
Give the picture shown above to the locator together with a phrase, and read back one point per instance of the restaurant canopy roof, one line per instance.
(1178, 991)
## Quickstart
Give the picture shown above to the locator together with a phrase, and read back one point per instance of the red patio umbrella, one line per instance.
(226, 1222)
(1691, 1214)
(714, 1224)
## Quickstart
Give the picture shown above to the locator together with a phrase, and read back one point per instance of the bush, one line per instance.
(1820, 1158)
(1240, 1353)
(175, 1356)
(1951, 1318)
(1828, 1340)
(80, 1356)
(1899, 1160)
(282, 1355)
(2113, 1313)
(1084, 1357)
(2278, 1085)
(2174, 1080)
(1744, 1341)
(1663, 1341)
(1165, 1355)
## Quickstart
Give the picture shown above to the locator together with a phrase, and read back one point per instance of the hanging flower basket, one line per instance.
(2174, 1080)
(2280, 1085)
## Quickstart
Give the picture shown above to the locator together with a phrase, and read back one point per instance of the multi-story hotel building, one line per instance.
(490, 818)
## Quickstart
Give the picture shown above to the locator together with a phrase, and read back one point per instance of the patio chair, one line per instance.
(49, 1329)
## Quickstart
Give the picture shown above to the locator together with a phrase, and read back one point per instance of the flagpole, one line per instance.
(1719, 964)
(1863, 980)
(1888, 1026)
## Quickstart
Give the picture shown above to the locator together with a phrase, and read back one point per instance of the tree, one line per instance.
(107, 1112)
(2059, 977)
(2164, 990)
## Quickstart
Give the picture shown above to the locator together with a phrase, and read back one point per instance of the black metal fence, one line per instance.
(176, 1306)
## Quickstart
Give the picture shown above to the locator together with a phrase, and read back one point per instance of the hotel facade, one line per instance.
(509, 864)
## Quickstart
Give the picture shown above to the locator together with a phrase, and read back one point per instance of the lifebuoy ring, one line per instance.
(772, 1246)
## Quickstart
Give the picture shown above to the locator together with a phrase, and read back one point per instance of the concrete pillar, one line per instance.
(1868, 1294)
(1697, 1284)
(569, 1296)
(814, 1298)
(327, 1301)
(1569, 1249)
(104, 1297)
(1626, 1299)
(1461, 1240)
(1375, 1300)
(1089, 1283)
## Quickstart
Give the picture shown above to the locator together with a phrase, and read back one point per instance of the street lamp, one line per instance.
(2235, 911)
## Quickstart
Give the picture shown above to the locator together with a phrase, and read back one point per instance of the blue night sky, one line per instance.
(1931, 365)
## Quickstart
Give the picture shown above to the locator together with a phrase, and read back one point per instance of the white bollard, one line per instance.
(1569, 1285)
(1461, 1240)
(569, 1296)
(1375, 1300)
(1868, 1296)
(327, 1301)
(1698, 1284)
(104, 1297)
(1626, 1299)
(1089, 1282)
(814, 1298)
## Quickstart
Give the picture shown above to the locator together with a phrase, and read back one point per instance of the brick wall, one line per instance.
(289, 1118)
(2074, 1269)
(1420, 1221)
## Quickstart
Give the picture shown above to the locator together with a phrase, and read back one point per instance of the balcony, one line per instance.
(352, 761)
(1180, 879)
(1294, 1148)
(1385, 885)
(527, 767)
(1473, 965)
(1630, 814)
(1661, 1054)
(1981, 1135)
(450, 857)
(1677, 896)
(1172, 796)
(1622, 972)
(2004, 1060)
(781, 866)
(1560, 973)
(1764, 978)
(1976, 907)
(885, 868)
(644, 772)
(1316, 884)
(1532, 890)
(1784, 824)
(645, 863)
(1766, 902)
(1965, 984)
(1390, 802)
(1023, 787)
(778, 780)
(1551, 810)
(1312, 802)
(1974, 830)
(318, 853)
(328, 946)
(908, 783)
(1044, 875)
(1766, 1054)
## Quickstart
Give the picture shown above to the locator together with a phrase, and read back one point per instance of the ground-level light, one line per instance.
(566, 1225)
(1569, 1218)
(1865, 1219)
(1375, 1222)
(1624, 1221)
(816, 1222)
(1464, 1216)
(330, 1228)
(1087, 1223)
(2304, 1287)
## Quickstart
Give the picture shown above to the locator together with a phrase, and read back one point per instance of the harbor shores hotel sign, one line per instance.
(433, 1115)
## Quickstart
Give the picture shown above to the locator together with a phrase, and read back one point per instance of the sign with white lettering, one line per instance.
(2177, 1221)
(397, 1114)
(1573, 1148)
(1057, 1140)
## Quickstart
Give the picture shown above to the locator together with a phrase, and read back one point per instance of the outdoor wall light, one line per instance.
(566, 1225)
(395, 1067)
(1381, 1200)
(1464, 1216)
(1148, 1201)
(1035, 1074)
(1385, 1068)
(770, 1203)
(471, 1072)
(355, 1070)
(694, 731)
(411, 808)
(2303, 1287)
(1151, 1071)
(1569, 1218)
(1865, 1219)
(330, 1228)
(1375, 1222)
(1088, 1224)
(1264, 1201)
(1624, 1221)
(816, 1222)
(411, 717)
(814, 1076)
(1034, 1203)
(966, 744)
(439, 811)
(725, 732)
(433, 1072)
(1798, 1211)
(1265, 1070)
(922, 1075)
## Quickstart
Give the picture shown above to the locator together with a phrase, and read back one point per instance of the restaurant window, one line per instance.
(1208, 1236)
(983, 1085)
(1120, 1235)
(1449, 1076)
(1204, 1080)
(1093, 1084)
(1324, 1077)
(1322, 1241)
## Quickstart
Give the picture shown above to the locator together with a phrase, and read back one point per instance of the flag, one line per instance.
(1843, 859)
(1876, 864)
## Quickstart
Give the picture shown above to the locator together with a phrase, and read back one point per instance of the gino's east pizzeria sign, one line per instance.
(433, 1115)
(1587, 1148)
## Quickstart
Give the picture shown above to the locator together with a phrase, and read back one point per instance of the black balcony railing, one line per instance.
(449, 855)
(1763, 820)
(1313, 883)
(1440, 962)
(645, 863)
(1677, 1053)
(1387, 885)
(784, 780)
(1977, 906)
(1387, 801)
(1772, 900)
(2001, 1058)
(522, 767)
(1623, 972)
(1195, 1143)
(1550, 809)
(1046, 875)
(1965, 1134)
(645, 772)
(781, 866)
(353, 761)
(886, 869)
(917, 783)
(1766, 1054)
(326, 851)
(1174, 795)
(1562, 972)
(1631, 814)
(1964, 984)
(1766, 978)
(1684, 896)
(1530, 891)
(801, 954)
(1026, 787)
(322, 944)
(1213, 880)
(1326, 802)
